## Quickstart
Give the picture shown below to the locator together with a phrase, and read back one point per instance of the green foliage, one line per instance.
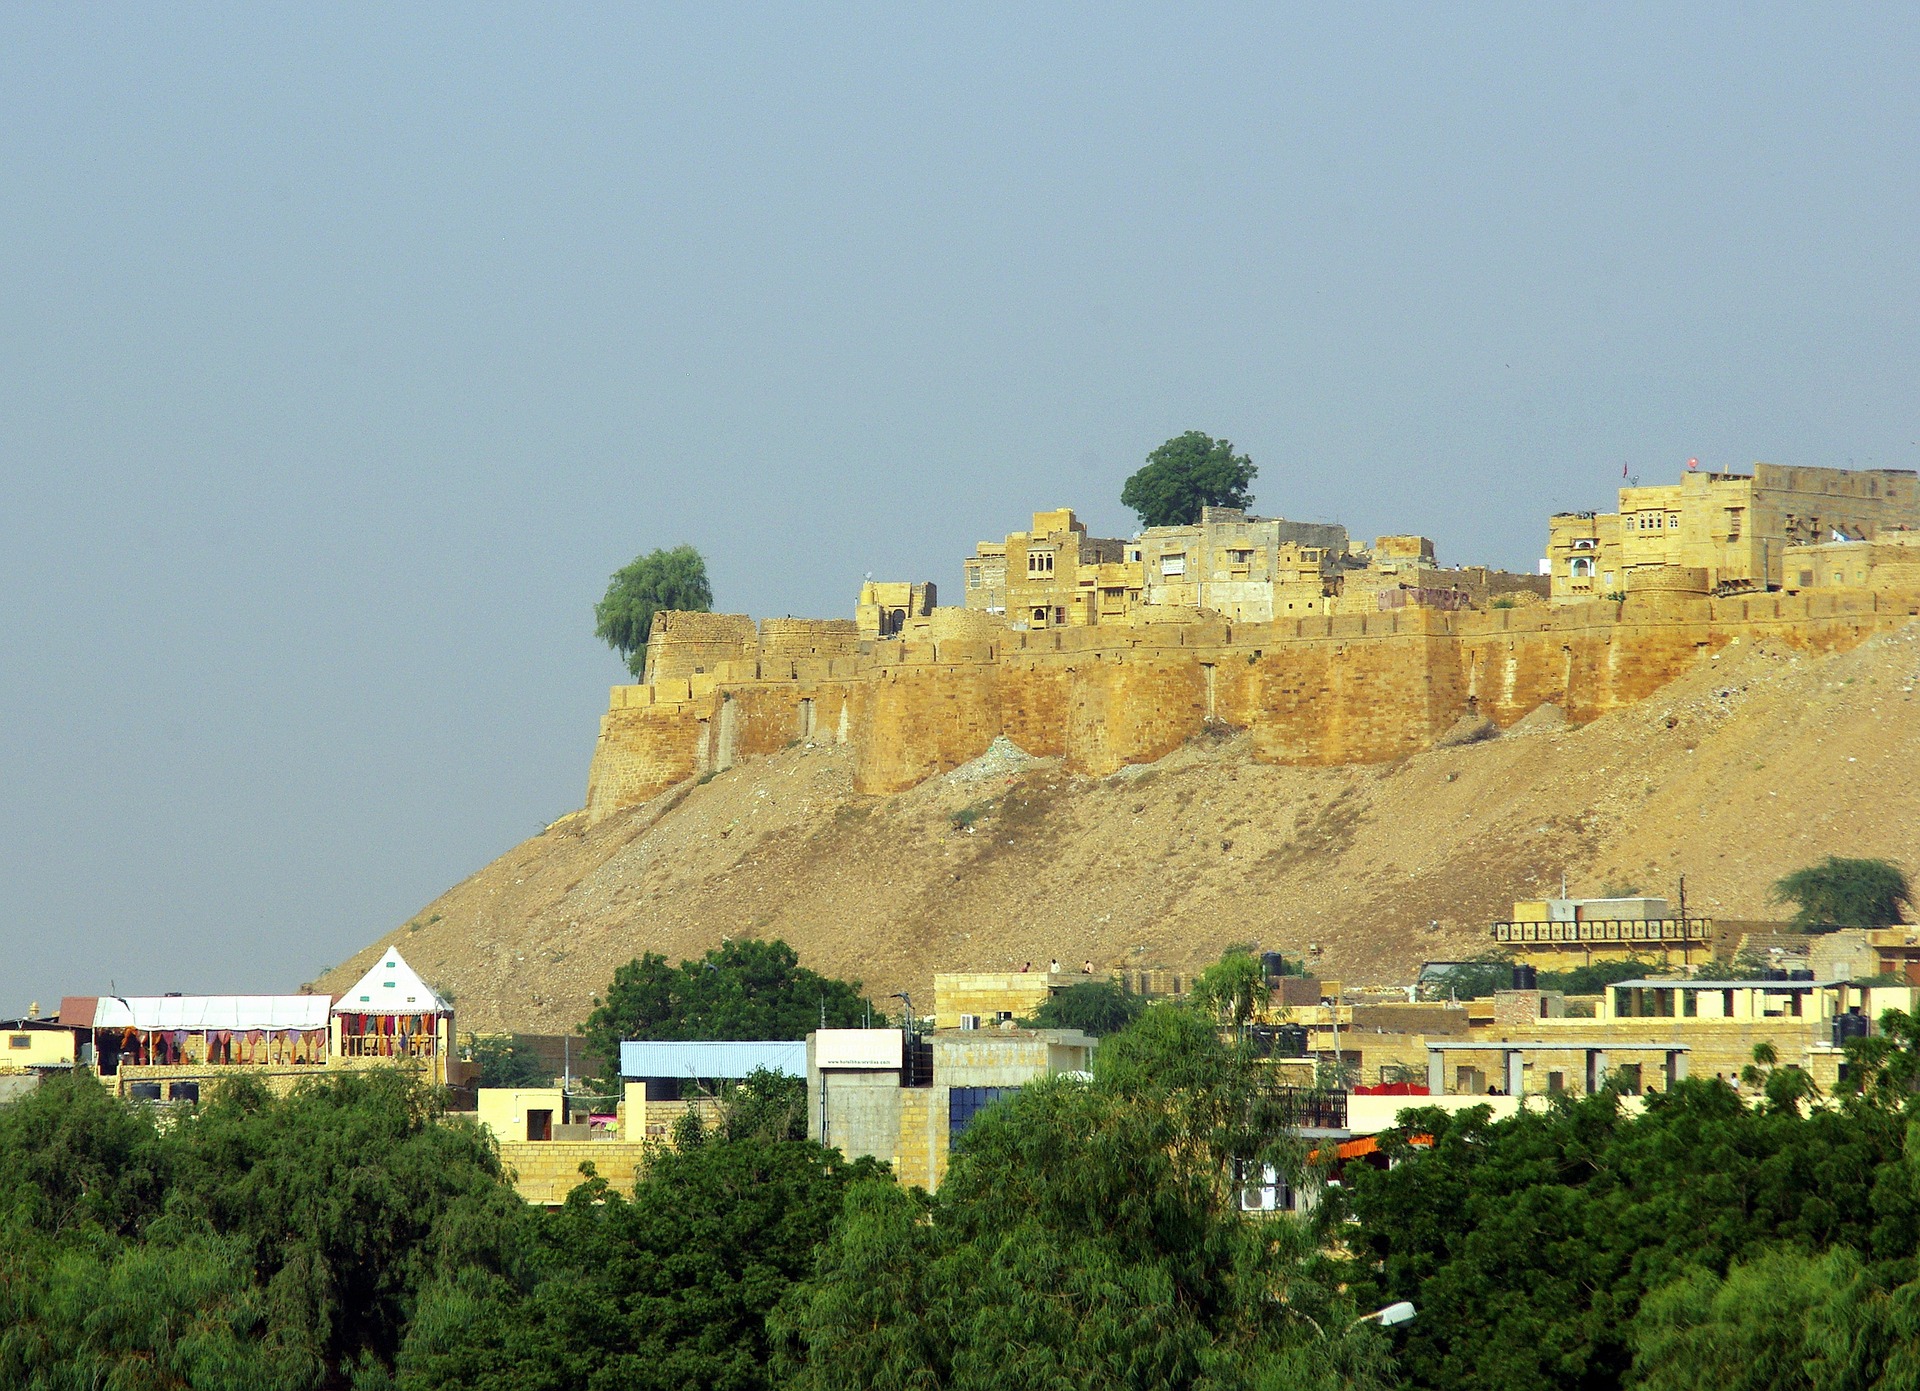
(747, 989)
(1844, 893)
(660, 581)
(507, 1062)
(1087, 1236)
(1596, 976)
(1530, 1244)
(1472, 979)
(1234, 987)
(669, 1288)
(1187, 473)
(764, 1106)
(1097, 1007)
(256, 1244)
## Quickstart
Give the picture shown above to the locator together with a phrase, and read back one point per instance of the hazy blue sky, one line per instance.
(344, 353)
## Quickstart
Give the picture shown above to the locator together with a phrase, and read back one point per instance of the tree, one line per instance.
(747, 989)
(1088, 1235)
(660, 581)
(1187, 473)
(1840, 893)
(667, 1288)
(1097, 1007)
(507, 1062)
(1235, 987)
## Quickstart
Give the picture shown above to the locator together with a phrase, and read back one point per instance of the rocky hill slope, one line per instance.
(1758, 761)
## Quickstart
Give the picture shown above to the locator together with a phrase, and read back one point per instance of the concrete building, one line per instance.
(865, 1094)
(1735, 529)
(1557, 933)
(1862, 953)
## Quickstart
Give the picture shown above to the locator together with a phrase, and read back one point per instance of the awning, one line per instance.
(198, 1013)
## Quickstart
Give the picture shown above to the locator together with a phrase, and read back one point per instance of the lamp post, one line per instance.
(1391, 1316)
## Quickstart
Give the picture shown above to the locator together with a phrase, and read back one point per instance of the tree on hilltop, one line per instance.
(1187, 473)
(660, 581)
(1845, 893)
(740, 990)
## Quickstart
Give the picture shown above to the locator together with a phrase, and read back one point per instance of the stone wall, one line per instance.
(1322, 690)
(545, 1171)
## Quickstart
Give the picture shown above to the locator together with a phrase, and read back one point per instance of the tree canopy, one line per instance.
(662, 580)
(747, 989)
(1187, 473)
(1097, 1007)
(1840, 893)
(1087, 1235)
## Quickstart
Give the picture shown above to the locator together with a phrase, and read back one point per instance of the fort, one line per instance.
(1395, 656)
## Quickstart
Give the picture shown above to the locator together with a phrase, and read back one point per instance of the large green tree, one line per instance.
(1087, 1236)
(747, 989)
(667, 1288)
(1097, 1007)
(1530, 1244)
(1844, 893)
(660, 581)
(259, 1243)
(1187, 473)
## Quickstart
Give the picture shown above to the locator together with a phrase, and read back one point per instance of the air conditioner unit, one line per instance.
(1262, 1199)
(969, 1021)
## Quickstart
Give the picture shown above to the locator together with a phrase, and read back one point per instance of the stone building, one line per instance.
(887, 606)
(1246, 569)
(1891, 561)
(1734, 528)
(1053, 576)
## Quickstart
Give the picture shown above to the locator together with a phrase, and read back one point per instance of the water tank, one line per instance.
(1273, 964)
(1525, 977)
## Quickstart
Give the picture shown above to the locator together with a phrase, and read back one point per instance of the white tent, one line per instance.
(197, 1013)
(392, 987)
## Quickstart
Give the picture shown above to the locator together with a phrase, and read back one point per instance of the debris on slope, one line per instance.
(1744, 769)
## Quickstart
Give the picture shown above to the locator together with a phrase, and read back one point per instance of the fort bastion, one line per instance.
(916, 690)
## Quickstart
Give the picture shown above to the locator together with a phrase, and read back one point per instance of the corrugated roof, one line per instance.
(712, 1059)
(392, 987)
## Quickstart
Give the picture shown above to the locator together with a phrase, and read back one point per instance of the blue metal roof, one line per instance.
(712, 1059)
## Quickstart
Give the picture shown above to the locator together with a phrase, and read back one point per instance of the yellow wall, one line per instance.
(987, 993)
(546, 1173)
(503, 1110)
(24, 1048)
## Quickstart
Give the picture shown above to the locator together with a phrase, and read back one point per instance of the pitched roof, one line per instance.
(392, 987)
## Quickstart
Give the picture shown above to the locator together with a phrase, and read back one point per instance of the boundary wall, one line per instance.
(1314, 691)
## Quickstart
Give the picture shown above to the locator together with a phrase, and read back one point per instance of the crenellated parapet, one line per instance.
(1320, 690)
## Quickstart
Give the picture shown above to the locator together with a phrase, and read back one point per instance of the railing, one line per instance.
(1317, 1110)
(1653, 931)
(387, 1046)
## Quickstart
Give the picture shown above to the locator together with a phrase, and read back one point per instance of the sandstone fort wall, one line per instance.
(1324, 690)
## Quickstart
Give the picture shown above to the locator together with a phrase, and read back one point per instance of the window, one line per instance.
(539, 1125)
(964, 1103)
(1039, 563)
(1673, 521)
(1585, 543)
(1582, 568)
(1173, 564)
(1239, 557)
(19, 1040)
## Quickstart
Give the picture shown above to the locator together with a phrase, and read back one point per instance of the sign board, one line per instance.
(858, 1050)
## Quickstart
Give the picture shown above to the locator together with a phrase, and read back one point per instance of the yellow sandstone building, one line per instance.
(1733, 530)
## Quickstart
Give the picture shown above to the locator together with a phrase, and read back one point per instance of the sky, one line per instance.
(345, 351)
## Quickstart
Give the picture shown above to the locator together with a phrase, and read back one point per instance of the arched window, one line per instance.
(1582, 568)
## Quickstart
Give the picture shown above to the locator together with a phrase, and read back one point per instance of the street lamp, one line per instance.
(1391, 1316)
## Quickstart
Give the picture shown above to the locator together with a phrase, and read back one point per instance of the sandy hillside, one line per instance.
(1758, 762)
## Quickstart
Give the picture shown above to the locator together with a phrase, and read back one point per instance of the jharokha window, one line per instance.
(1039, 562)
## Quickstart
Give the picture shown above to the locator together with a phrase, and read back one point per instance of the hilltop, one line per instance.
(1754, 762)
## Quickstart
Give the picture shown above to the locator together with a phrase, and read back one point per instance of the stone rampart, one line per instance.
(1320, 690)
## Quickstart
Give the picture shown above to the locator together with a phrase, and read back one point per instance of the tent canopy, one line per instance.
(392, 987)
(194, 1013)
